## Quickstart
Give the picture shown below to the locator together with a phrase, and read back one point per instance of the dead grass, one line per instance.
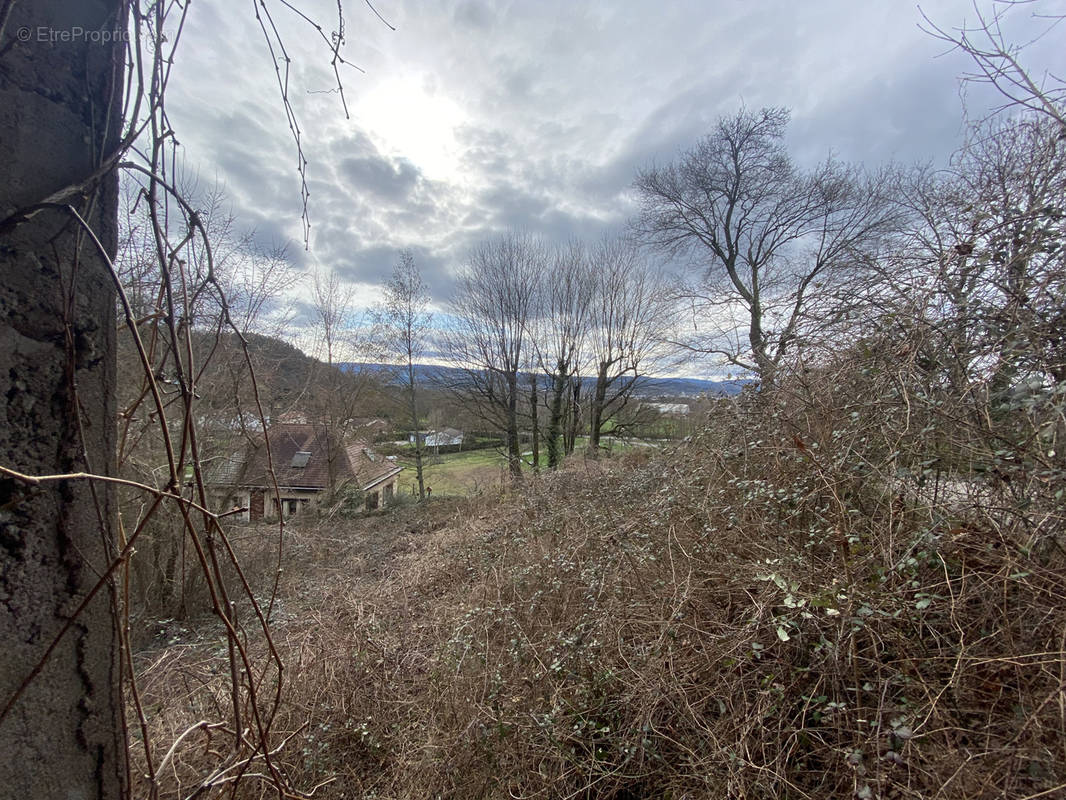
(766, 612)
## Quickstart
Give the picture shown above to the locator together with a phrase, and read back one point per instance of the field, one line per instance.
(470, 473)
(455, 474)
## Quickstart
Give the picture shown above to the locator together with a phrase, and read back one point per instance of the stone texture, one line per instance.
(59, 107)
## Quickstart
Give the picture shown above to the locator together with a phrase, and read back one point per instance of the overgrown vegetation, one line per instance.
(792, 605)
(848, 584)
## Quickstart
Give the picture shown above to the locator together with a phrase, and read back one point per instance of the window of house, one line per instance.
(299, 461)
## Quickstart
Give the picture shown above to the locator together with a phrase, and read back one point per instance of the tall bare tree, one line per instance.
(565, 319)
(983, 262)
(239, 276)
(492, 309)
(336, 400)
(627, 327)
(331, 309)
(764, 234)
(407, 322)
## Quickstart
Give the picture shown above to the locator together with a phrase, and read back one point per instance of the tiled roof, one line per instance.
(367, 466)
(310, 445)
(286, 440)
(224, 470)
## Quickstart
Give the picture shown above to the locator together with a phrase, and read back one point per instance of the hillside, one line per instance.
(771, 610)
(285, 375)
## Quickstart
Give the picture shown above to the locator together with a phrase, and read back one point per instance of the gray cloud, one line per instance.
(473, 14)
(375, 264)
(360, 166)
(559, 104)
(391, 180)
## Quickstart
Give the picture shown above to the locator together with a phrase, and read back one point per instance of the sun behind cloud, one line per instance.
(406, 120)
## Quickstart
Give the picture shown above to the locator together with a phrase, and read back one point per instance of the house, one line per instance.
(370, 428)
(306, 460)
(445, 437)
(669, 409)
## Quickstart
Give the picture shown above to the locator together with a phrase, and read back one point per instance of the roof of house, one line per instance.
(224, 470)
(288, 442)
(670, 408)
(369, 468)
(301, 454)
(447, 436)
(368, 422)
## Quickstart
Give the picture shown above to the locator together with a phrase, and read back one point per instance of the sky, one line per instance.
(475, 117)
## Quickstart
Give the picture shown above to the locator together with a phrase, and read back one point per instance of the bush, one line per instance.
(350, 501)
(774, 609)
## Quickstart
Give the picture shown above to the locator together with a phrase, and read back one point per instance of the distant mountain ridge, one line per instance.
(648, 387)
(290, 371)
(691, 387)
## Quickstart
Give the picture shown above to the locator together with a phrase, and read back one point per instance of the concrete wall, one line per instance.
(59, 108)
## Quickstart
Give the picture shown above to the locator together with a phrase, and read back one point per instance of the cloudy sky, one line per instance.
(476, 117)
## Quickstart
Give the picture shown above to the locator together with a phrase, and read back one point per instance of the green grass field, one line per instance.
(455, 473)
(465, 474)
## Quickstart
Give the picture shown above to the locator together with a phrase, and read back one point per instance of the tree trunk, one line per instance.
(596, 414)
(575, 415)
(60, 101)
(534, 417)
(412, 404)
(514, 448)
(555, 415)
(766, 366)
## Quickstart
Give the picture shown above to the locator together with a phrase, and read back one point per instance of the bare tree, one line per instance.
(251, 279)
(238, 277)
(407, 324)
(492, 309)
(563, 327)
(628, 318)
(998, 60)
(982, 265)
(332, 309)
(764, 234)
(337, 397)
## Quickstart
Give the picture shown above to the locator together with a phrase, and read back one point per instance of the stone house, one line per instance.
(306, 461)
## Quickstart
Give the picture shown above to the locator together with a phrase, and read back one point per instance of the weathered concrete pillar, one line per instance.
(60, 102)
